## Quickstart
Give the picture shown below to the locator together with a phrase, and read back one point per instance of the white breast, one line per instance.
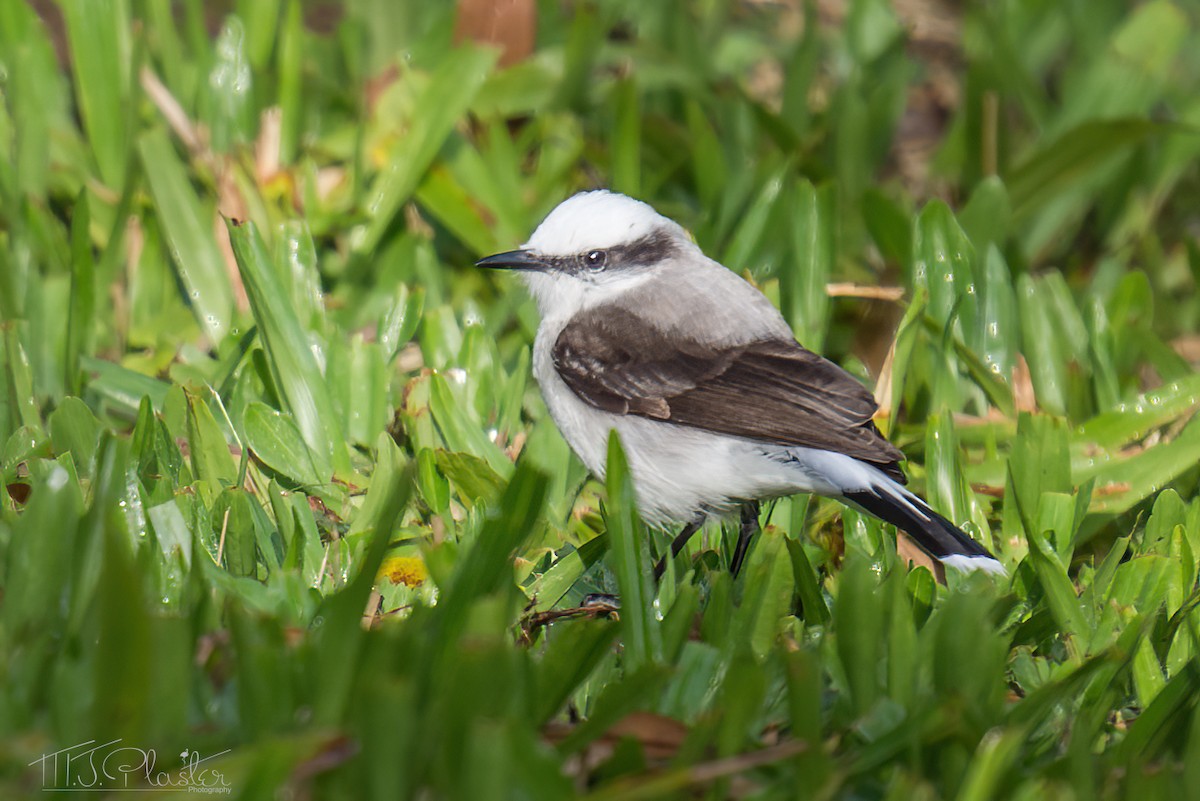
(678, 471)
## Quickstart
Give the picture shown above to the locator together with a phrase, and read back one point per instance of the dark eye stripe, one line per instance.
(650, 249)
(645, 252)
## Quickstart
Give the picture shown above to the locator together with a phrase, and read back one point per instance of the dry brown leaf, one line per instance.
(883, 387)
(910, 553)
(1188, 347)
(1022, 383)
(510, 24)
(269, 145)
(177, 119)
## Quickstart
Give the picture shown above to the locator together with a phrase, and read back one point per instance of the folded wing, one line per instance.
(772, 390)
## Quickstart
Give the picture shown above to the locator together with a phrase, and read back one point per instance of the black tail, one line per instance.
(935, 535)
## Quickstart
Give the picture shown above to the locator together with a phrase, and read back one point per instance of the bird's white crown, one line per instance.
(594, 221)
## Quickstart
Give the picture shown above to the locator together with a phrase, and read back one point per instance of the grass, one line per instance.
(279, 494)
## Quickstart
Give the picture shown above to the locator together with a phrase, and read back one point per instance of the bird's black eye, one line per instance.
(595, 259)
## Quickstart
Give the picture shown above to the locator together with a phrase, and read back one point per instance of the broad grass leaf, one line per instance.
(75, 430)
(472, 478)
(276, 441)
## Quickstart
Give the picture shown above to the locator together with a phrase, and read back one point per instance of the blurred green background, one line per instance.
(277, 485)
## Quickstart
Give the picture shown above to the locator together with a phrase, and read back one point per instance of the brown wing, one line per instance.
(771, 390)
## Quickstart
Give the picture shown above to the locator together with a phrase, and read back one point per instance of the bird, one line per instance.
(717, 405)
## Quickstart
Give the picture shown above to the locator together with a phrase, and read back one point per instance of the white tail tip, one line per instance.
(968, 564)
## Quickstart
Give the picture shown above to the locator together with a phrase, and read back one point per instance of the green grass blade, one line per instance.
(275, 440)
(212, 462)
(641, 632)
(36, 99)
(75, 430)
(99, 35)
(184, 220)
(447, 96)
(83, 295)
(1059, 165)
(802, 282)
(340, 639)
(573, 651)
(289, 350)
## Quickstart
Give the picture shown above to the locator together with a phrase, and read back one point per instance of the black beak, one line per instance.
(513, 260)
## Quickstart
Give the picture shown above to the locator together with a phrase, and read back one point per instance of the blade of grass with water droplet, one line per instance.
(945, 485)
(290, 356)
(948, 260)
(276, 441)
(1125, 482)
(171, 531)
(459, 433)
(225, 102)
(19, 402)
(1159, 407)
(1000, 333)
(295, 265)
(185, 222)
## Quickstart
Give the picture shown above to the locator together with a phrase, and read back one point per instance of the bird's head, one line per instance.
(591, 247)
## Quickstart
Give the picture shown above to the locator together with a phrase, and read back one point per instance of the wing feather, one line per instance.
(771, 390)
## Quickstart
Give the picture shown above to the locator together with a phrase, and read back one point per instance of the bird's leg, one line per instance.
(677, 544)
(748, 529)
